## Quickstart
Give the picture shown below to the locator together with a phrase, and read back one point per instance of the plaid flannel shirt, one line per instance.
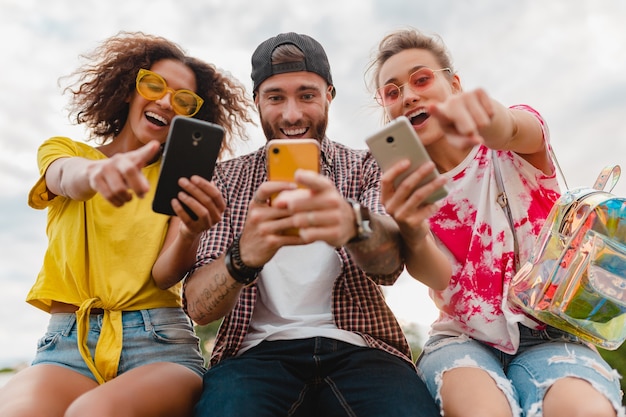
(358, 303)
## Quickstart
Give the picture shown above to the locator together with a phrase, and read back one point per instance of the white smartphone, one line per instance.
(397, 140)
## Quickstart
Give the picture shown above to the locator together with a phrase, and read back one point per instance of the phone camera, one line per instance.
(275, 151)
(389, 139)
(197, 135)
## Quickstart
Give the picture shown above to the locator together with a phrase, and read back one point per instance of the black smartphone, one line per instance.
(192, 148)
(398, 140)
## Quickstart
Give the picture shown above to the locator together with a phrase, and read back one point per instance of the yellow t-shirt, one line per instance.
(99, 256)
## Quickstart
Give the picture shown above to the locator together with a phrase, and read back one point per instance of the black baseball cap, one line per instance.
(315, 59)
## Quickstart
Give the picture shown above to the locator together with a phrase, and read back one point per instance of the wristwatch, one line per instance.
(361, 221)
(240, 272)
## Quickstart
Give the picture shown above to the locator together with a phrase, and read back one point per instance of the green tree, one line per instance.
(413, 335)
(207, 335)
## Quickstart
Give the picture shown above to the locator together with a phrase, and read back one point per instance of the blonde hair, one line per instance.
(401, 40)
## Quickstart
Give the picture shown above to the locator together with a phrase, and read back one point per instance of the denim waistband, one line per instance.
(140, 318)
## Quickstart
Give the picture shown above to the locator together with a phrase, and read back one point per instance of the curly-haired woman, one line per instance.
(118, 342)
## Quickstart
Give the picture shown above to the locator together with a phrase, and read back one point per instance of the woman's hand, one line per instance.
(119, 176)
(407, 203)
(116, 178)
(463, 116)
(204, 199)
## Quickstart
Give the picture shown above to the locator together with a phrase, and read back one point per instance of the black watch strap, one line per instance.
(240, 272)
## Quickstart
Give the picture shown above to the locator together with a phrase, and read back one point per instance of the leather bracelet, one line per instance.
(240, 272)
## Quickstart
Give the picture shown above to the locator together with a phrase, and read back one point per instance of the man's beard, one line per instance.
(316, 131)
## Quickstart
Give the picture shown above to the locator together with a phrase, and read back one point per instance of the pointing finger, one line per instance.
(145, 154)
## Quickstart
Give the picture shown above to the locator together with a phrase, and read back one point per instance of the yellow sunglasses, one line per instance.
(152, 86)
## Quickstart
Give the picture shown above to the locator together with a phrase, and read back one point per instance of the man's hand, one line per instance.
(322, 213)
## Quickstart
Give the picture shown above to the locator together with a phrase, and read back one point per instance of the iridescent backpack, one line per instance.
(575, 278)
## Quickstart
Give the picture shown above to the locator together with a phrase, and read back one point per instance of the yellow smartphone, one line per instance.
(285, 156)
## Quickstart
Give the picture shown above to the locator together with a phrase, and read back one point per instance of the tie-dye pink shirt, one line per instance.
(473, 229)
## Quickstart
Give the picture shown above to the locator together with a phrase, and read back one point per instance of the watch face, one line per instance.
(362, 221)
(365, 222)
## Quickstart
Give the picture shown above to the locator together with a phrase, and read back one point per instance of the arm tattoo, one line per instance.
(380, 254)
(217, 291)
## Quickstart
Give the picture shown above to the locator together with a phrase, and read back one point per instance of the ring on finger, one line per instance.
(310, 218)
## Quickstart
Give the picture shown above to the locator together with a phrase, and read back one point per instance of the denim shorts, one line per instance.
(543, 357)
(153, 335)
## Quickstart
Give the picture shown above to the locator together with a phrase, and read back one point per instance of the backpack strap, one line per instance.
(609, 171)
(503, 201)
(558, 167)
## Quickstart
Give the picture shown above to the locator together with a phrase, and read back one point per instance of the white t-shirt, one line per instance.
(294, 297)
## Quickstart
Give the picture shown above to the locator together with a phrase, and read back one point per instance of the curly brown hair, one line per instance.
(99, 89)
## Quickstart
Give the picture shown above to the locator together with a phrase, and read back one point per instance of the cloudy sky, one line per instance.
(567, 58)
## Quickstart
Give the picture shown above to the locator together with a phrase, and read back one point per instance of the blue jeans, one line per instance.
(314, 377)
(543, 357)
(153, 335)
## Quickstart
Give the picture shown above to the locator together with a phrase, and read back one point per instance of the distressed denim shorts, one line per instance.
(543, 357)
(153, 335)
